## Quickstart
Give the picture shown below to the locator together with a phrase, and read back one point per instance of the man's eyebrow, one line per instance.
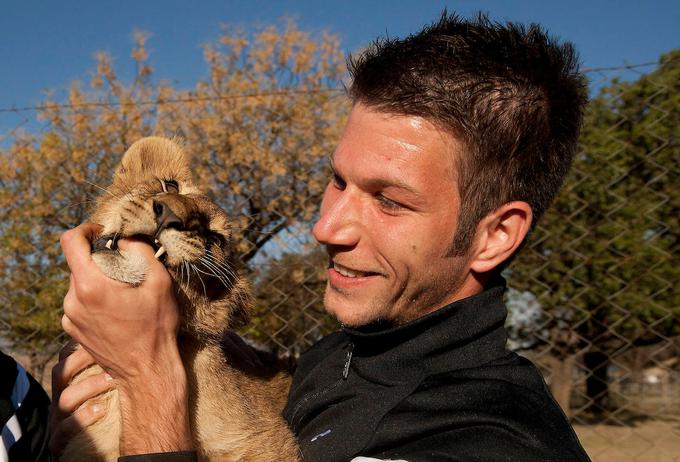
(380, 183)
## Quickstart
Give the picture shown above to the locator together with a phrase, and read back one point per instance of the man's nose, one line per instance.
(339, 222)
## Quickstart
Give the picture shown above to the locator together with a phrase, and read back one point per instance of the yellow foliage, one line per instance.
(258, 131)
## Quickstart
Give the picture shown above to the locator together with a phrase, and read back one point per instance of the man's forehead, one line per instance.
(408, 146)
(398, 139)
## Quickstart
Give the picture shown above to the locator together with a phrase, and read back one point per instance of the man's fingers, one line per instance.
(138, 246)
(76, 244)
(157, 273)
(64, 371)
(69, 327)
(70, 426)
(71, 303)
(66, 415)
(68, 348)
(76, 394)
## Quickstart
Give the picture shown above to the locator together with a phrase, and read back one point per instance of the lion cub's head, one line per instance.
(152, 197)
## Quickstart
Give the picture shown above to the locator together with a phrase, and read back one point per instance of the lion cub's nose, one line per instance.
(165, 217)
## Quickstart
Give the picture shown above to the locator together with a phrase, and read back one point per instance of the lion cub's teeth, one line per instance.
(109, 244)
(155, 241)
(160, 251)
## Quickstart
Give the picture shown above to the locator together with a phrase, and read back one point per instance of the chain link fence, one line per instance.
(593, 297)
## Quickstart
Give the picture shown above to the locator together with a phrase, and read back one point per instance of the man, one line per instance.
(458, 139)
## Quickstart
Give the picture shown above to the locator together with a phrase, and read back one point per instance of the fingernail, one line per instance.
(96, 409)
(108, 378)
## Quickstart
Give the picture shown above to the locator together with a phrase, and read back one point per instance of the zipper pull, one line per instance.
(348, 361)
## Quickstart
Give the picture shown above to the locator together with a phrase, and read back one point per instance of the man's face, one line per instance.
(388, 218)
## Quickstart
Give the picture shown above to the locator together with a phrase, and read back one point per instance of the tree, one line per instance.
(603, 260)
(258, 128)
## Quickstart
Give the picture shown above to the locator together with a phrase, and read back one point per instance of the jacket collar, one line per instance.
(467, 333)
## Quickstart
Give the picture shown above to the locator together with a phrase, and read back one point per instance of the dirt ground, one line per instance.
(645, 441)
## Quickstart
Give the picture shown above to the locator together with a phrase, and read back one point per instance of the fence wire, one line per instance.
(592, 300)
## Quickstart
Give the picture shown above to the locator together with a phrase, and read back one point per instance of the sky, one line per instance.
(48, 44)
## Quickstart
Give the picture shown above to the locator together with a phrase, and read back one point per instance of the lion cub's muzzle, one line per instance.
(165, 217)
(170, 212)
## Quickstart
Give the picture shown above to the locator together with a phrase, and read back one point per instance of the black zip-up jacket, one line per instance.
(441, 388)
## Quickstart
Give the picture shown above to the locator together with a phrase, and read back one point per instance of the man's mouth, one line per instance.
(351, 273)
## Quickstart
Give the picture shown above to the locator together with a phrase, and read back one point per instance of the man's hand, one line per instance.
(131, 332)
(66, 419)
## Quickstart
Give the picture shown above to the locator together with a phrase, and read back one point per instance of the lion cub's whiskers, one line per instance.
(198, 270)
(75, 204)
(223, 273)
(216, 273)
(223, 265)
(103, 189)
(187, 267)
(205, 291)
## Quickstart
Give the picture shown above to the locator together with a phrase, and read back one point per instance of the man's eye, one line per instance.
(388, 204)
(339, 182)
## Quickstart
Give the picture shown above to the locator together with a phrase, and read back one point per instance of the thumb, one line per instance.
(157, 272)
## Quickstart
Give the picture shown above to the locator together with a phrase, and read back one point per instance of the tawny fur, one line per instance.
(235, 399)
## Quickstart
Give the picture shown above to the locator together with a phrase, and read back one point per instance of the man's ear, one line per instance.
(499, 234)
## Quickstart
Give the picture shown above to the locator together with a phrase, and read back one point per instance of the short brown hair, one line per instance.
(511, 94)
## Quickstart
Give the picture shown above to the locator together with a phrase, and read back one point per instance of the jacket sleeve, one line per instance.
(181, 456)
(23, 414)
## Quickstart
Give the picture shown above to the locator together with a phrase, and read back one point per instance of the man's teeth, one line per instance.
(350, 273)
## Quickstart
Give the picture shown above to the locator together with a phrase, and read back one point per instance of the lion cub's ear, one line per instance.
(153, 158)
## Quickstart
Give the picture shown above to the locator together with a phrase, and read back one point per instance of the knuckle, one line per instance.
(66, 404)
(66, 237)
(70, 304)
(77, 363)
(86, 291)
(67, 401)
(67, 325)
(89, 414)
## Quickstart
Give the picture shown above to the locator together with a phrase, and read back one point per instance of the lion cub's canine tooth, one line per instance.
(160, 251)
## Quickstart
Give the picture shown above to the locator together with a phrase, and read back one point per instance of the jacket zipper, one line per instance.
(345, 374)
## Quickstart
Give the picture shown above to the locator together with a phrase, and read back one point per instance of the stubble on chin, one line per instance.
(348, 312)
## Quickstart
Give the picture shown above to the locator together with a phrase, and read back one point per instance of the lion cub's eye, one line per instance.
(170, 186)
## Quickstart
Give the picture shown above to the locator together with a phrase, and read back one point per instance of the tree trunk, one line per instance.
(597, 386)
(561, 382)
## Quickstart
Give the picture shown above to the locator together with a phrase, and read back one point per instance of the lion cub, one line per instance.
(235, 399)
